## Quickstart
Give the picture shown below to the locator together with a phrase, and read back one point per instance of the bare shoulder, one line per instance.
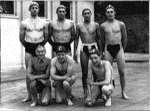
(104, 24)
(121, 23)
(25, 22)
(106, 63)
(69, 21)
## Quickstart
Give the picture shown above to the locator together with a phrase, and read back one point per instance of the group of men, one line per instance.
(107, 40)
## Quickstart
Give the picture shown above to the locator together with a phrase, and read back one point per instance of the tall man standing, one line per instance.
(33, 31)
(114, 37)
(61, 31)
(90, 36)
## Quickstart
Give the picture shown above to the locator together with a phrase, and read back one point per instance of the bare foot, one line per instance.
(26, 99)
(70, 103)
(33, 104)
(108, 102)
(124, 96)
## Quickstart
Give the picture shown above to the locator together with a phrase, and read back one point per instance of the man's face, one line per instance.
(61, 13)
(110, 13)
(87, 15)
(95, 59)
(34, 10)
(40, 52)
(61, 56)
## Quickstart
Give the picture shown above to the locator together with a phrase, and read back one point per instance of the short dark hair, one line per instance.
(40, 46)
(85, 10)
(110, 6)
(60, 6)
(61, 48)
(94, 51)
(32, 4)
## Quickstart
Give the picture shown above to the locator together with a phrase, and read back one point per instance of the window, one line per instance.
(7, 7)
(68, 6)
(42, 11)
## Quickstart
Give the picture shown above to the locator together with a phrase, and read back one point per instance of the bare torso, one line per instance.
(99, 72)
(34, 30)
(112, 32)
(61, 31)
(88, 32)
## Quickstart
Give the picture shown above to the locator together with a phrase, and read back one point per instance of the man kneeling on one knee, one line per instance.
(101, 73)
(38, 74)
(63, 75)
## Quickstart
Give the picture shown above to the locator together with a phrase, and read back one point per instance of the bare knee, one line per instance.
(107, 90)
(66, 84)
(33, 84)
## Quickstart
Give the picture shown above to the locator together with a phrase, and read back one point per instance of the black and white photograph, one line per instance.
(74, 55)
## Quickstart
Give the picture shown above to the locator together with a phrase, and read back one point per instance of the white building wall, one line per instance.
(10, 44)
(12, 52)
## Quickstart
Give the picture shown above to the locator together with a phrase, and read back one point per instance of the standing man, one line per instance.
(63, 75)
(61, 31)
(100, 80)
(114, 43)
(90, 36)
(38, 73)
(33, 31)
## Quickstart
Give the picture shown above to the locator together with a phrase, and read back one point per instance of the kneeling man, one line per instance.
(38, 76)
(101, 72)
(63, 75)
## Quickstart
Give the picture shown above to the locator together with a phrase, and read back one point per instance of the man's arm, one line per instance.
(76, 42)
(108, 73)
(98, 37)
(45, 31)
(22, 34)
(72, 33)
(124, 35)
(102, 33)
(50, 31)
(53, 72)
(70, 70)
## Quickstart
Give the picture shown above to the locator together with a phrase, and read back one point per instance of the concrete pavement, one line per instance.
(137, 79)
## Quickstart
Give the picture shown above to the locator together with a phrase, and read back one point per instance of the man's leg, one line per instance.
(46, 96)
(121, 70)
(91, 98)
(84, 59)
(28, 56)
(107, 91)
(34, 93)
(59, 91)
(67, 88)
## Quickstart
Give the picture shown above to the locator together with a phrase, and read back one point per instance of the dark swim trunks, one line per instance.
(113, 49)
(30, 47)
(86, 49)
(66, 45)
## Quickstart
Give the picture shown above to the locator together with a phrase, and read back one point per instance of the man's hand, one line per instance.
(32, 78)
(68, 79)
(90, 82)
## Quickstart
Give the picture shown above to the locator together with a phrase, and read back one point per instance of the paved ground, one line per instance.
(137, 75)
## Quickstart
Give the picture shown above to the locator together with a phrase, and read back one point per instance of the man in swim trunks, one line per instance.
(63, 75)
(33, 31)
(38, 73)
(114, 38)
(61, 31)
(100, 80)
(90, 36)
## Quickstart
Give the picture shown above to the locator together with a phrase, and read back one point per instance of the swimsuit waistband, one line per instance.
(89, 45)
